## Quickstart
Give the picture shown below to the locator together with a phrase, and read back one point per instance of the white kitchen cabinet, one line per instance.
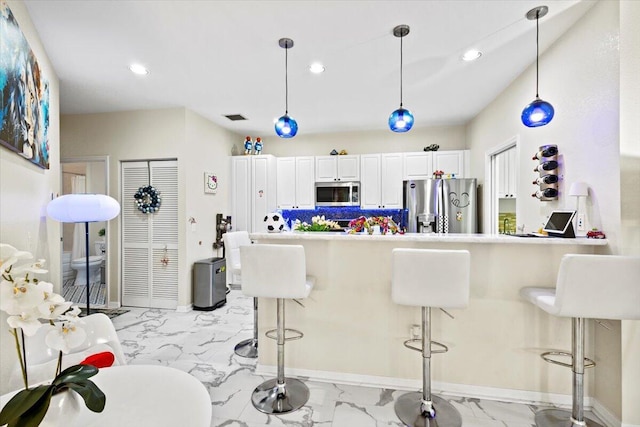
(418, 165)
(381, 181)
(253, 191)
(452, 162)
(507, 176)
(337, 168)
(295, 183)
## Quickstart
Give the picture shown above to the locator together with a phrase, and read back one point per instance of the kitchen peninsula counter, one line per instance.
(354, 332)
(430, 238)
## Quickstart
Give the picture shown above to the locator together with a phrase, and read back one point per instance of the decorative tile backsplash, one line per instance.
(335, 213)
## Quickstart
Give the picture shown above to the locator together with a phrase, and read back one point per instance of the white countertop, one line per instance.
(430, 238)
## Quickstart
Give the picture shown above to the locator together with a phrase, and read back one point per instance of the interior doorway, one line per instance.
(502, 173)
(85, 175)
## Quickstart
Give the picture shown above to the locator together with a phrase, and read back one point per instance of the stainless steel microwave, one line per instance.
(337, 194)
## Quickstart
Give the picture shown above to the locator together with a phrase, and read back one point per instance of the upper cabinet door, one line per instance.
(337, 168)
(370, 181)
(417, 165)
(348, 168)
(450, 162)
(286, 187)
(295, 183)
(391, 181)
(326, 168)
(304, 183)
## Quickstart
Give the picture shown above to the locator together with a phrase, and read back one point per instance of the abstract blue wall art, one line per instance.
(24, 94)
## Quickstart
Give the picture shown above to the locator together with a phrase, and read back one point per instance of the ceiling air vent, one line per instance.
(235, 117)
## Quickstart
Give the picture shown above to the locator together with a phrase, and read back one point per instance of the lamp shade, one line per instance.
(401, 120)
(538, 113)
(286, 127)
(579, 189)
(83, 208)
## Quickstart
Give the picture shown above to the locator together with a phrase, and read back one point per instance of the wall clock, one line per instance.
(210, 182)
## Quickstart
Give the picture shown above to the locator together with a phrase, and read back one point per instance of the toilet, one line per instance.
(95, 261)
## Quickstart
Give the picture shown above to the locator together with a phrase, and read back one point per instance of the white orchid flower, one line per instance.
(53, 310)
(27, 321)
(65, 336)
(9, 255)
(19, 297)
(35, 268)
(72, 315)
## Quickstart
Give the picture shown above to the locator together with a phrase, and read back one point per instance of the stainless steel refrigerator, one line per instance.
(441, 206)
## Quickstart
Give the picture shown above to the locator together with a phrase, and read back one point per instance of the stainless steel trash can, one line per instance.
(209, 284)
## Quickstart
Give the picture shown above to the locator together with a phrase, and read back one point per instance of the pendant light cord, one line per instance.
(537, 50)
(401, 71)
(286, 78)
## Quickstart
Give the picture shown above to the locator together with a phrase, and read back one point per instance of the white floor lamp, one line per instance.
(84, 208)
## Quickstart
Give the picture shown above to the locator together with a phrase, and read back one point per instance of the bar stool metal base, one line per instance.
(409, 410)
(560, 418)
(247, 348)
(271, 398)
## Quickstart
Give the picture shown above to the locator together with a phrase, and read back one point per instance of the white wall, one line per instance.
(594, 87)
(25, 190)
(579, 75)
(207, 149)
(447, 137)
(630, 195)
(179, 134)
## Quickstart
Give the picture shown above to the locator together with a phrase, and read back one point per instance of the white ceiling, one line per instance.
(222, 57)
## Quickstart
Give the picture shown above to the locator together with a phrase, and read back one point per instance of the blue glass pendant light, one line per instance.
(401, 120)
(538, 112)
(286, 127)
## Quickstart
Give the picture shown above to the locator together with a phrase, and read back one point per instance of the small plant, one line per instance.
(102, 232)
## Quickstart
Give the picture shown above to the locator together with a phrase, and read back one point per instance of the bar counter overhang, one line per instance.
(354, 333)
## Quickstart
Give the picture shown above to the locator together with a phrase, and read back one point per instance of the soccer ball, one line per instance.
(274, 222)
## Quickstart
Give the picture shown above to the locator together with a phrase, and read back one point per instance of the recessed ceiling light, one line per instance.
(316, 68)
(471, 55)
(138, 69)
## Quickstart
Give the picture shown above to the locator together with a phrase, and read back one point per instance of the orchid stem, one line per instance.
(58, 368)
(20, 358)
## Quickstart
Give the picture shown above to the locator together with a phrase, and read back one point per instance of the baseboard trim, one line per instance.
(606, 416)
(450, 389)
(184, 308)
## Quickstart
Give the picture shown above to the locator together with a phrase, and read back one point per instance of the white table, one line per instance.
(146, 395)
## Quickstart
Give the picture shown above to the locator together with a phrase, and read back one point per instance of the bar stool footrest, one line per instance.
(410, 345)
(546, 356)
(273, 334)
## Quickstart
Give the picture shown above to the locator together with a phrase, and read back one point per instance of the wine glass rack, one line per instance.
(548, 173)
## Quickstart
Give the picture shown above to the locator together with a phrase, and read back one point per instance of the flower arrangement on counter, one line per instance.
(27, 300)
(385, 223)
(318, 223)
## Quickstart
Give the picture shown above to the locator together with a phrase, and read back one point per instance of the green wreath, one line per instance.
(147, 199)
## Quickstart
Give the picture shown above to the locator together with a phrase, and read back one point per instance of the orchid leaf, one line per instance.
(31, 412)
(22, 402)
(93, 397)
(74, 374)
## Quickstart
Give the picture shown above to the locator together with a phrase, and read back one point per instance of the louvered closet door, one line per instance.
(164, 230)
(146, 282)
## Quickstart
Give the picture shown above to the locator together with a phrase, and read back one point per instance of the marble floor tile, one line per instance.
(202, 342)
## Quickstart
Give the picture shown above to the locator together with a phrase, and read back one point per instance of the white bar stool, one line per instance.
(429, 278)
(232, 242)
(588, 287)
(277, 271)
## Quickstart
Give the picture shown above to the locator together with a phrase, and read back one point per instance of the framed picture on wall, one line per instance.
(24, 94)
